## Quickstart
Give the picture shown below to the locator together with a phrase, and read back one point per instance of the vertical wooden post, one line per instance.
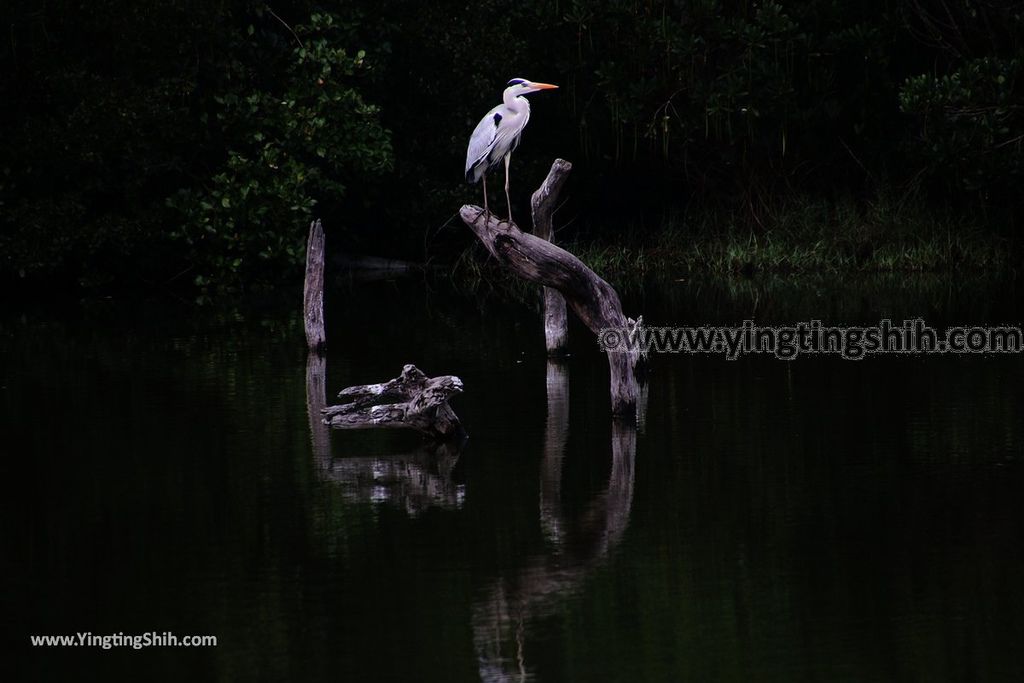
(313, 292)
(556, 317)
(316, 364)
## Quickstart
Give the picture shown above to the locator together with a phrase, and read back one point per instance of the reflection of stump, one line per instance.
(418, 402)
(556, 434)
(316, 399)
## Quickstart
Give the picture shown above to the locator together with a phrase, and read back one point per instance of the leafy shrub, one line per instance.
(970, 123)
(289, 145)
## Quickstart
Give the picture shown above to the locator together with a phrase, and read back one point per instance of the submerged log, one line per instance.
(313, 291)
(417, 402)
(591, 298)
(556, 317)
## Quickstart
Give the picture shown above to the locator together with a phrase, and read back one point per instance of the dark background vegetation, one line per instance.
(188, 143)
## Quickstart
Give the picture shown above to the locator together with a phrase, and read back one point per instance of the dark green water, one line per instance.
(812, 520)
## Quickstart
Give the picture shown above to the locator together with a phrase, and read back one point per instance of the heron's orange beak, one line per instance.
(543, 86)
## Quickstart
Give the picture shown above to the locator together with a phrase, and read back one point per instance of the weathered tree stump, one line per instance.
(591, 298)
(418, 402)
(556, 317)
(313, 290)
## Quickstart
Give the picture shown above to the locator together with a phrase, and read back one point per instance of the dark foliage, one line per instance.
(189, 141)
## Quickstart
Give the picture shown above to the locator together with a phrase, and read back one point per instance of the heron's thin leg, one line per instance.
(508, 202)
(484, 178)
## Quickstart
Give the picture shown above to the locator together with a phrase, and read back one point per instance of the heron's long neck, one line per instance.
(516, 104)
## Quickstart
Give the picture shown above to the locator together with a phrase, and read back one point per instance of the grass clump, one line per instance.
(803, 237)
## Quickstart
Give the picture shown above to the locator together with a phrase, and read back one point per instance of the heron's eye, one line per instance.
(525, 85)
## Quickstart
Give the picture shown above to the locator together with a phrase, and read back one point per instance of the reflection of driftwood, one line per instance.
(418, 402)
(376, 264)
(578, 546)
(313, 291)
(414, 481)
(556, 320)
(591, 298)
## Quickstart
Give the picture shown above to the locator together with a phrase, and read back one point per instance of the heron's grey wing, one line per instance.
(480, 144)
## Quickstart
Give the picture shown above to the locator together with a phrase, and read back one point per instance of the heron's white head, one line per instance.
(521, 86)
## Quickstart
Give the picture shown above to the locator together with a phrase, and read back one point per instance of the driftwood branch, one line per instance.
(556, 319)
(416, 402)
(591, 298)
(313, 291)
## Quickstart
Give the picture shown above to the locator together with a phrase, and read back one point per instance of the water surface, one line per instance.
(818, 519)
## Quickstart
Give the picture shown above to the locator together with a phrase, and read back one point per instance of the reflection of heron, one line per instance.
(497, 135)
(500, 618)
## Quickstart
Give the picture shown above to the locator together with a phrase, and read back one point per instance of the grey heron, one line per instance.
(497, 135)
